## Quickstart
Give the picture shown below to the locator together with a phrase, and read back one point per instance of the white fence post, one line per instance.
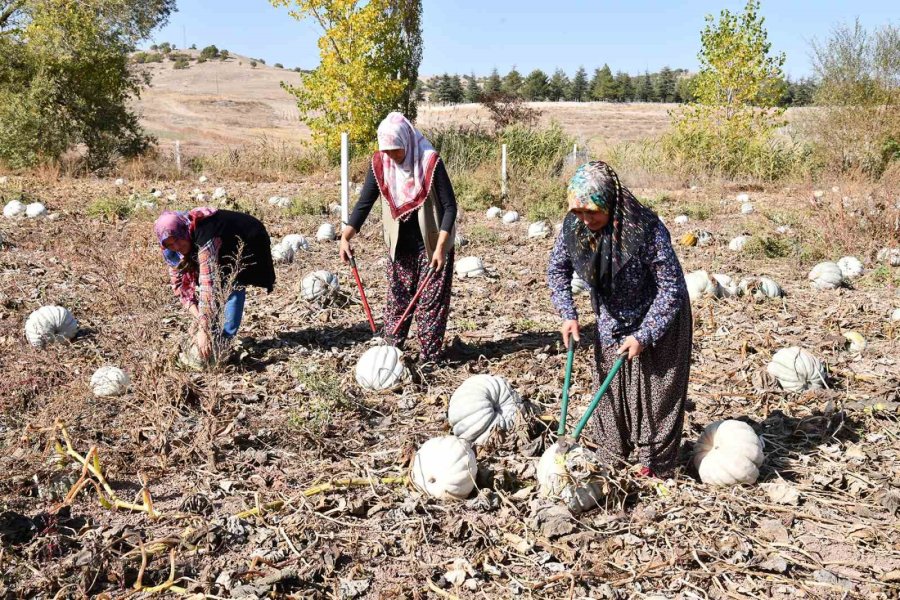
(575, 155)
(178, 155)
(504, 190)
(345, 179)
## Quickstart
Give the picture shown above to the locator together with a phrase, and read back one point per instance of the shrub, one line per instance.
(262, 160)
(768, 246)
(252, 64)
(201, 60)
(181, 64)
(209, 52)
(110, 208)
(311, 203)
(542, 198)
(475, 192)
(508, 109)
(279, 66)
(223, 54)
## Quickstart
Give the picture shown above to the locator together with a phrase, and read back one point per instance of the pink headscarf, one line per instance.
(180, 225)
(406, 185)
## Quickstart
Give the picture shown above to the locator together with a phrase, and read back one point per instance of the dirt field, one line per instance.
(231, 458)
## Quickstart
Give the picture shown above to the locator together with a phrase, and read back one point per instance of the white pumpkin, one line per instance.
(746, 208)
(539, 229)
(737, 243)
(700, 284)
(381, 368)
(14, 208)
(325, 233)
(201, 197)
(895, 316)
(855, 341)
(511, 217)
(156, 193)
(50, 324)
(796, 369)
(460, 241)
(561, 474)
(760, 288)
(282, 253)
(109, 381)
(481, 404)
(783, 229)
(818, 194)
(203, 179)
(826, 276)
(319, 286)
(728, 453)
(280, 201)
(295, 242)
(704, 238)
(727, 284)
(850, 267)
(335, 209)
(445, 468)
(890, 256)
(470, 266)
(681, 220)
(579, 285)
(172, 197)
(494, 212)
(743, 198)
(219, 193)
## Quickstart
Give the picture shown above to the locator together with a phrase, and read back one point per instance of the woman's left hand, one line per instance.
(202, 341)
(438, 258)
(631, 347)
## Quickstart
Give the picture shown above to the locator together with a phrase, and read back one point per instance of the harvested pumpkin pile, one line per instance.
(315, 461)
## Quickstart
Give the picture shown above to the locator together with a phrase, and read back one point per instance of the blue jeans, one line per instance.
(234, 311)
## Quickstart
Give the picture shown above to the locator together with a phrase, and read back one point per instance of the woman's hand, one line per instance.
(630, 346)
(346, 251)
(203, 343)
(570, 328)
(438, 258)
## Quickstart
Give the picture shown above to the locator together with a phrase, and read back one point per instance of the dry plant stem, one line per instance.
(441, 592)
(167, 585)
(91, 465)
(321, 489)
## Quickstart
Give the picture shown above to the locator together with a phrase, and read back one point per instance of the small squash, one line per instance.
(700, 285)
(850, 267)
(566, 472)
(746, 208)
(796, 369)
(470, 266)
(895, 315)
(579, 285)
(855, 341)
(13, 209)
(890, 256)
(50, 324)
(704, 238)
(737, 243)
(760, 288)
(280, 201)
(325, 233)
(445, 468)
(511, 217)
(539, 229)
(826, 276)
(319, 286)
(282, 253)
(728, 453)
(381, 368)
(681, 220)
(494, 212)
(482, 404)
(688, 239)
(727, 284)
(109, 381)
(295, 242)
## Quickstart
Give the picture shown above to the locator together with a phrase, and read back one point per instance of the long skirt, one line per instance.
(642, 414)
(404, 273)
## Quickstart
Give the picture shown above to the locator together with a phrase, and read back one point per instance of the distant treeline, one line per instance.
(666, 85)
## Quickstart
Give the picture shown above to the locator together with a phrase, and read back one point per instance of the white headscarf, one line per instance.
(406, 185)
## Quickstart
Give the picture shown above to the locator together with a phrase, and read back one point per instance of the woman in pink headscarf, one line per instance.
(418, 215)
(201, 248)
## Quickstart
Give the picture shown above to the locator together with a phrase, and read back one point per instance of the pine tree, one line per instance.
(579, 88)
(645, 88)
(603, 85)
(665, 85)
(512, 83)
(456, 92)
(493, 84)
(624, 87)
(473, 91)
(535, 86)
(558, 87)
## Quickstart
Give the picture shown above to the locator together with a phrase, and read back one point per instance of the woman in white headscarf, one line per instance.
(418, 214)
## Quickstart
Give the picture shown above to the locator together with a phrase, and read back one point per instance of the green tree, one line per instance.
(579, 91)
(558, 87)
(603, 86)
(65, 77)
(535, 86)
(209, 52)
(512, 83)
(644, 91)
(665, 86)
(223, 54)
(624, 87)
(493, 84)
(370, 53)
(473, 91)
(729, 129)
(456, 92)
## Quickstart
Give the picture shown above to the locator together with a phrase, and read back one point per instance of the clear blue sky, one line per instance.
(478, 35)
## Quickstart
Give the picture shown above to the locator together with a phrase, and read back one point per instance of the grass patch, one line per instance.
(466, 325)
(698, 211)
(783, 217)
(110, 208)
(768, 246)
(543, 199)
(483, 234)
(526, 325)
(312, 203)
(655, 203)
(323, 395)
(475, 192)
